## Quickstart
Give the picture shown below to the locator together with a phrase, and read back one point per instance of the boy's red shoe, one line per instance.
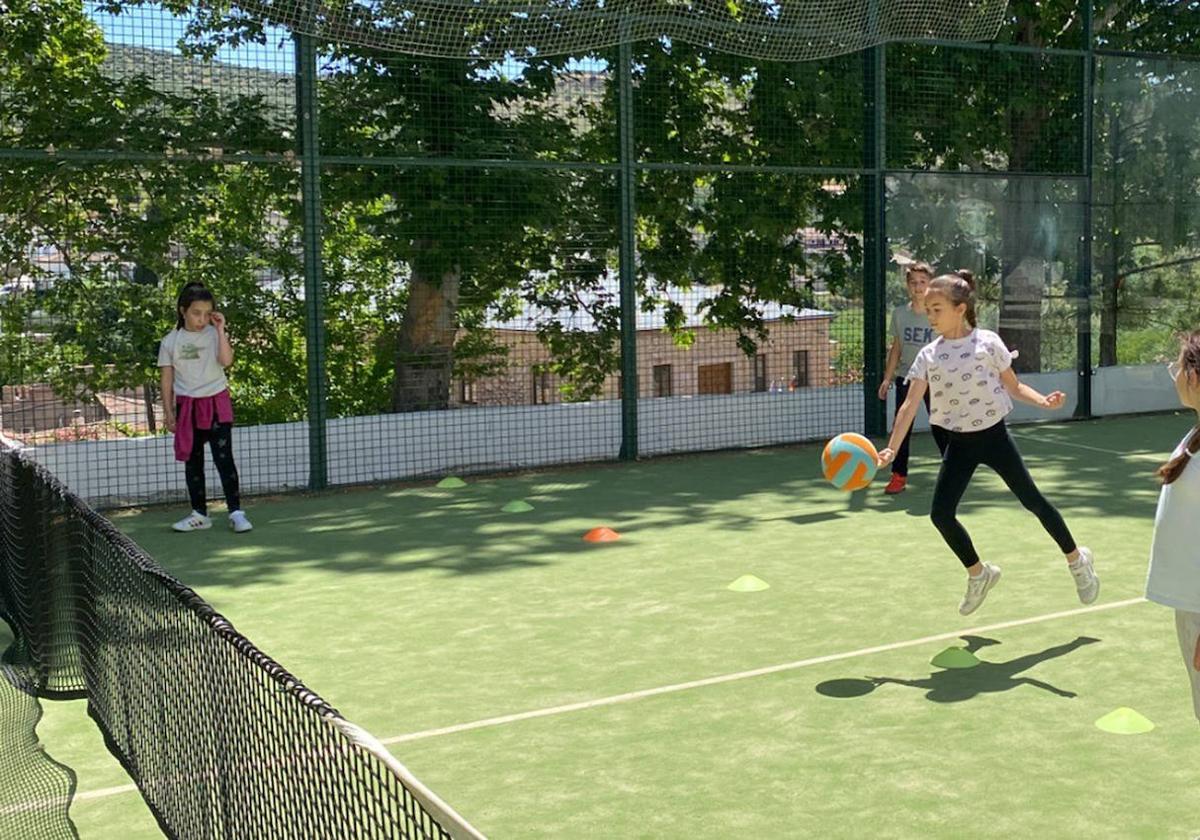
(896, 485)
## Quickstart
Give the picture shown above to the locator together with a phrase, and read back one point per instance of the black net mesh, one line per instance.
(1146, 283)
(487, 262)
(787, 30)
(36, 792)
(220, 739)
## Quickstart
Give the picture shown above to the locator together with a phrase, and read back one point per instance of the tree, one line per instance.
(126, 233)
(1148, 225)
(1022, 113)
(420, 257)
(460, 235)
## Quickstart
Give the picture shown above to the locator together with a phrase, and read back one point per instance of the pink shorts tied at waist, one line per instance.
(199, 413)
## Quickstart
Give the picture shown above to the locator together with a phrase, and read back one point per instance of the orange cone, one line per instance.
(601, 535)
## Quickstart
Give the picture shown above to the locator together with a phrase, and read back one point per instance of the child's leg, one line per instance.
(900, 464)
(221, 443)
(1003, 457)
(193, 473)
(958, 465)
(1187, 627)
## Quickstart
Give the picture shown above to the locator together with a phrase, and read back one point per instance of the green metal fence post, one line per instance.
(314, 286)
(628, 175)
(875, 249)
(1083, 280)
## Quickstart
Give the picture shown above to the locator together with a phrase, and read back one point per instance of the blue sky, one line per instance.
(153, 27)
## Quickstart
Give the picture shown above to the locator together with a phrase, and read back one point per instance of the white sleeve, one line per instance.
(1001, 354)
(920, 366)
(165, 351)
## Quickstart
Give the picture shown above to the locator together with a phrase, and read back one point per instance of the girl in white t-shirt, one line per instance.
(196, 404)
(1174, 576)
(968, 372)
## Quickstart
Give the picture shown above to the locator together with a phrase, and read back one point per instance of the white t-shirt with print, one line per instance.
(1173, 578)
(194, 357)
(965, 392)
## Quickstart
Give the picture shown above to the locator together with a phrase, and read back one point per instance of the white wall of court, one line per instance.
(395, 447)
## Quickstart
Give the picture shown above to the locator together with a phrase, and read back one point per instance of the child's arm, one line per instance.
(904, 419)
(1196, 656)
(889, 372)
(224, 349)
(1021, 391)
(168, 396)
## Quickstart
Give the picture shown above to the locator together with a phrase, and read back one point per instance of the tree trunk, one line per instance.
(425, 356)
(1024, 248)
(1109, 306)
(1023, 280)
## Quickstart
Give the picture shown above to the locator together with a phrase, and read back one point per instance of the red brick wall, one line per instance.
(656, 347)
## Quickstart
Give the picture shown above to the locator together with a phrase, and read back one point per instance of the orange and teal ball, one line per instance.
(849, 461)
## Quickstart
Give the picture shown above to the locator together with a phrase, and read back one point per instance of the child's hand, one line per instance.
(886, 456)
(218, 320)
(1054, 401)
(169, 422)
(1196, 655)
(884, 387)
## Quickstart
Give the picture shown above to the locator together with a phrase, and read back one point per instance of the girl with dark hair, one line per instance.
(1174, 575)
(192, 359)
(969, 374)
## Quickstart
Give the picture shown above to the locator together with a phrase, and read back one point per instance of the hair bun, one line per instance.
(968, 277)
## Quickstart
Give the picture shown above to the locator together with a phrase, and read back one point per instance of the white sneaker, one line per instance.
(193, 522)
(239, 523)
(1087, 583)
(978, 587)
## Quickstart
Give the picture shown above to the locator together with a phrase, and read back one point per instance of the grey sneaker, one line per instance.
(239, 523)
(1087, 583)
(192, 522)
(978, 587)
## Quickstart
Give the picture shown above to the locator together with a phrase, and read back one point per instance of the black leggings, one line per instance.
(900, 465)
(995, 448)
(220, 441)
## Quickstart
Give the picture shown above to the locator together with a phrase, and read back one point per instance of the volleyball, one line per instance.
(849, 461)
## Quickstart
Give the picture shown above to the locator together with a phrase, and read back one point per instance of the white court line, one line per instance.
(687, 686)
(1079, 446)
(741, 675)
(103, 792)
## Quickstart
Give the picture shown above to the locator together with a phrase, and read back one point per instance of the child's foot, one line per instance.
(1087, 583)
(239, 523)
(896, 485)
(193, 522)
(978, 587)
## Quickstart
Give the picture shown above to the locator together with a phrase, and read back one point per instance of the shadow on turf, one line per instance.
(956, 685)
(463, 532)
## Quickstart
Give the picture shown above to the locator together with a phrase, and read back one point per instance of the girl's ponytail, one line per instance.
(1189, 364)
(968, 277)
(1171, 470)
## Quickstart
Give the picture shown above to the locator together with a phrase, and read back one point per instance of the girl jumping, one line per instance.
(969, 374)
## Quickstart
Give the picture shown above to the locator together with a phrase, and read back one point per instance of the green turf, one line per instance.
(416, 608)
(119, 812)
